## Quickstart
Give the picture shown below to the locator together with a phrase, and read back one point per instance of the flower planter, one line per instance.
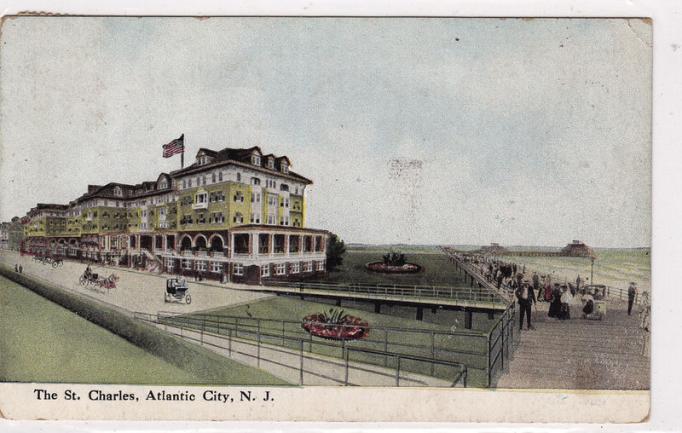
(349, 328)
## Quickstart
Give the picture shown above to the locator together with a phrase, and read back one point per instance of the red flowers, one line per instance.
(336, 326)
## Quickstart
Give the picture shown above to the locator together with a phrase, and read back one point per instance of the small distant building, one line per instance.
(4, 236)
(577, 249)
(11, 234)
(494, 249)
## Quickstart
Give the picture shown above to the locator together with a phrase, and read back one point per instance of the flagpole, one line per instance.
(182, 155)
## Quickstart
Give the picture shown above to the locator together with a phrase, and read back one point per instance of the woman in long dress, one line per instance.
(566, 299)
(555, 305)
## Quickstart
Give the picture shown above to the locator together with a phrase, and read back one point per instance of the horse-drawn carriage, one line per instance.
(177, 291)
(56, 262)
(89, 278)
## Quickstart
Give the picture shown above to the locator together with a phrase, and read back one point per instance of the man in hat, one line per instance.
(526, 297)
(632, 293)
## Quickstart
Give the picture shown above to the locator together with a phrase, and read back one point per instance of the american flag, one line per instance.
(175, 146)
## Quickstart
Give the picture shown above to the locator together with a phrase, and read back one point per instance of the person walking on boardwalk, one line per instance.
(536, 284)
(526, 298)
(578, 280)
(632, 293)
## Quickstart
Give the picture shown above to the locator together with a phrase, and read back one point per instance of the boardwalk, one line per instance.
(581, 354)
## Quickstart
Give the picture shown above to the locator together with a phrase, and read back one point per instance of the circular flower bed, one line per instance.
(335, 325)
(407, 268)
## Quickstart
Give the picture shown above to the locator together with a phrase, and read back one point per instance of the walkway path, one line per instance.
(303, 367)
(135, 291)
(578, 353)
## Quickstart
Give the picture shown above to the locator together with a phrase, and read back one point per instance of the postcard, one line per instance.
(325, 218)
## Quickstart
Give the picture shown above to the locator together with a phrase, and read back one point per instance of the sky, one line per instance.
(414, 130)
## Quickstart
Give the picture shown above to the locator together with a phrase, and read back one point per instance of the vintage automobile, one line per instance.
(177, 291)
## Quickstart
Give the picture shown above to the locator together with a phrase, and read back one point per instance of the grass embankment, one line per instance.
(436, 270)
(409, 341)
(44, 342)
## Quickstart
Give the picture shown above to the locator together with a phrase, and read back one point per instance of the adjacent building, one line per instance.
(235, 214)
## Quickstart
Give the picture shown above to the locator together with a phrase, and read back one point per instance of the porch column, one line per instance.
(231, 245)
(254, 242)
(272, 243)
(286, 244)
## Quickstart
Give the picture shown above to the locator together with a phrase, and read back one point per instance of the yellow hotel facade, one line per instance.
(234, 214)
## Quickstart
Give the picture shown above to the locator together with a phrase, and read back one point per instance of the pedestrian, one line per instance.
(555, 305)
(565, 300)
(536, 284)
(16, 268)
(526, 298)
(21, 269)
(577, 283)
(632, 293)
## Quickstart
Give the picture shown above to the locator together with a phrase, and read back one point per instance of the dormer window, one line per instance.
(285, 167)
(118, 192)
(271, 163)
(255, 159)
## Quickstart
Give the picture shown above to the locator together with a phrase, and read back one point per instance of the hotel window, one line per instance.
(200, 265)
(271, 163)
(163, 184)
(239, 177)
(255, 159)
(255, 181)
(220, 176)
(307, 266)
(295, 268)
(284, 187)
(285, 167)
(320, 266)
(265, 270)
(280, 269)
(170, 263)
(239, 197)
(238, 218)
(189, 183)
(186, 264)
(213, 177)
(216, 267)
(238, 269)
(271, 219)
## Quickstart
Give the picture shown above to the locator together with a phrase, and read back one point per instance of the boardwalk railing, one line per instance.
(263, 345)
(501, 342)
(479, 351)
(386, 291)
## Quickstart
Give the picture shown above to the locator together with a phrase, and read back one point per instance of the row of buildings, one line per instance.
(235, 214)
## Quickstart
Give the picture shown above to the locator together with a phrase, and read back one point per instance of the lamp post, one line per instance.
(592, 270)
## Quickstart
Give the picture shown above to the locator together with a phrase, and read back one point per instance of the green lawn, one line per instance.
(437, 270)
(291, 309)
(42, 342)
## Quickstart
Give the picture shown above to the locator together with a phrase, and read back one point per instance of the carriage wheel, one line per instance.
(54, 265)
(188, 299)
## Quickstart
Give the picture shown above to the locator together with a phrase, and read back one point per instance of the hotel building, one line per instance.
(234, 214)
